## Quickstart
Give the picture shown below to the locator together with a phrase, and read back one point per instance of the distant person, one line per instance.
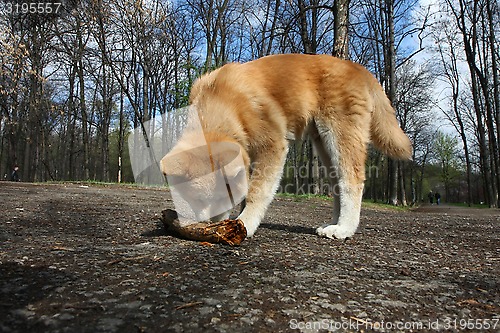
(15, 175)
(438, 198)
(431, 197)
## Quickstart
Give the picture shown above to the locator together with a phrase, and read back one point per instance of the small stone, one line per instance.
(131, 305)
(60, 289)
(146, 307)
(362, 315)
(25, 313)
(353, 304)
(110, 324)
(66, 316)
(47, 321)
(205, 310)
(339, 307)
(287, 299)
(249, 319)
(270, 322)
(211, 301)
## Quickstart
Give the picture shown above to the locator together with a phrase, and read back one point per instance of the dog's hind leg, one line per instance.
(331, 171)
(346, 150)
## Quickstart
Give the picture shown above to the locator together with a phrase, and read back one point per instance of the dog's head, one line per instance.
(207, 177)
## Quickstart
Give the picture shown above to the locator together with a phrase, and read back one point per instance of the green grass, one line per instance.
(379, 205)
(87, 182)
(366, 203)
(303, 197)
(101, 183)
(462, 204)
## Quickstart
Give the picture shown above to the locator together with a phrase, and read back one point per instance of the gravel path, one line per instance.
(77, 258)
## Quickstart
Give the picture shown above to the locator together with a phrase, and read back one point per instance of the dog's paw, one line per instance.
(251, 228)
(335, 231)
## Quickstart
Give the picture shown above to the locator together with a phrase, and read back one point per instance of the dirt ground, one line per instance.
(85, 258)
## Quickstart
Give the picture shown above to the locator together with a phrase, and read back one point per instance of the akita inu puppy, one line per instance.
(255, 107)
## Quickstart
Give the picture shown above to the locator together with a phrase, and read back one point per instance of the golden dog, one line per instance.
(255, 107)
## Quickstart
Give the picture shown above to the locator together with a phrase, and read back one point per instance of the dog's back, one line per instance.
(285, 92)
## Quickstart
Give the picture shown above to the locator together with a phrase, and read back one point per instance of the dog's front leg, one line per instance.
(267, 169)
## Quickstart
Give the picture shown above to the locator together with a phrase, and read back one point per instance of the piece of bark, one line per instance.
(229, 232)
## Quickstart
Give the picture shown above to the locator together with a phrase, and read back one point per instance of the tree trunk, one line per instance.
(83, 105)
(104, 127)
(390, 73)
(341, 37)
(304, 31)
(402, 190)
(496, 90)
(392, 182)
(72, 115)
(121, 137)
(273, 28)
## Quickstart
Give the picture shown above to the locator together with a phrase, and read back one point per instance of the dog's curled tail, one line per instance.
(386, 135)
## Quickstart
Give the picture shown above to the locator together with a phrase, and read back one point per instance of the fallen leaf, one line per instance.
(234, 315)
(469, 302)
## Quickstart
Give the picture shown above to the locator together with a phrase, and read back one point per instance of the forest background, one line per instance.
(76, 79)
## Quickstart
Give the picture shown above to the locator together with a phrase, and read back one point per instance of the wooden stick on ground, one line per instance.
(229, 232)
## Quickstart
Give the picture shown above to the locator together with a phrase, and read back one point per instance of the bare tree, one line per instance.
(264, 29)
(446, 47)
(13, 71)
(414, 104)
(382, 27)
(216, 18)
(468, 17)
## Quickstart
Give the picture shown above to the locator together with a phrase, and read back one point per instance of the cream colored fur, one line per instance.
(258, 104)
